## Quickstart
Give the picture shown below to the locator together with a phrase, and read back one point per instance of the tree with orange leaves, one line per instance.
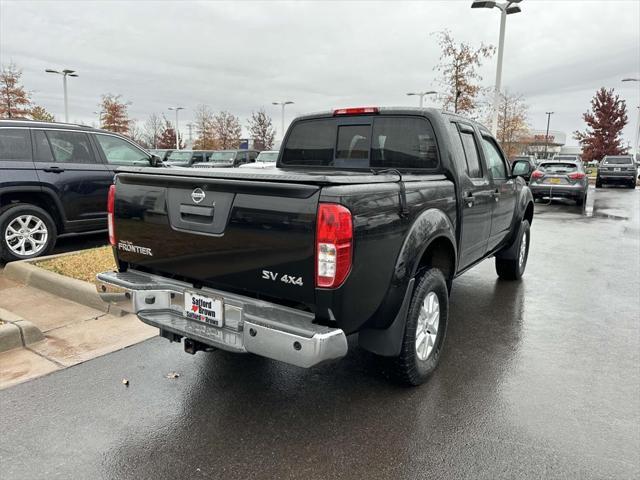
(14, 99)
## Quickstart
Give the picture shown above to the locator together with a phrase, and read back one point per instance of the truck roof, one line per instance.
(426, 112)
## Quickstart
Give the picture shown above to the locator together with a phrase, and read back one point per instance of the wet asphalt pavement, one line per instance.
(539, 379)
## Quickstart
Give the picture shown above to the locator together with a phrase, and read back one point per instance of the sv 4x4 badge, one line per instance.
(288, 279)
(128, 246)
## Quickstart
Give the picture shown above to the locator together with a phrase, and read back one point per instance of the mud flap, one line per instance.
(388, 342)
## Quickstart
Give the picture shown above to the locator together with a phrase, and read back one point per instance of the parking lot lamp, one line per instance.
(637, 152)
(283, 104)
(546, 136)
(422, 95)
(506, 8)
(65, 73)
(177, 109)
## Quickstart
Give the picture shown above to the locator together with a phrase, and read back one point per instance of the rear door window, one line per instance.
(15, 144)
(474, 169)
(42, 148)
(70, 147)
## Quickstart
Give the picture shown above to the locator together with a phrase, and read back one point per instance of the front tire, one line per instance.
(425, 330)
(26, 231)
(513, 268)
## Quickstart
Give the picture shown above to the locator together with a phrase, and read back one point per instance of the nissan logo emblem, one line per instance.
(197, 195)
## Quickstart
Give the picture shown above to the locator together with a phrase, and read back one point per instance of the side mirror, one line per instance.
(155, 161)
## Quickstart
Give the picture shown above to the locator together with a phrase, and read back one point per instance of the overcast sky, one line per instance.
(242, 55)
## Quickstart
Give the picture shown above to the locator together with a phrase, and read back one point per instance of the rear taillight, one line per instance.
(355, 111)
(576, 176)
(334, 245)
(537, 174)
(111, 204)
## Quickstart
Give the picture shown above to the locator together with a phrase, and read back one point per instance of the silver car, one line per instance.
(560, 179)
(619, 169)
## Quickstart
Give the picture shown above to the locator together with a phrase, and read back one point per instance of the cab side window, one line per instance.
(120, 152)
(495, 163)
(70, 147)
(15, 144)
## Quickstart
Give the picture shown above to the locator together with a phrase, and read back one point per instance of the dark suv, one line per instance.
(54, 180)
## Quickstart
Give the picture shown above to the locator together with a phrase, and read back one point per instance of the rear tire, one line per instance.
(632, 184)
(513, 268)
(26, 231)
(425, 330)
(580, 200)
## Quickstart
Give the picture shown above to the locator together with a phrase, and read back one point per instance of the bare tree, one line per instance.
(204, 123)
(512, 123)
(113, 114)
(137, 134)
(14, 99)
(227, 130)
(261, 130)
(153, 127)
(459, 65)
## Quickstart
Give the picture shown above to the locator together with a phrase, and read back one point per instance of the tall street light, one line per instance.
(65, 73)
(283, 104)
(177, 109)
(506, 8)
(546, 137)
(422, 95)
(637, 156)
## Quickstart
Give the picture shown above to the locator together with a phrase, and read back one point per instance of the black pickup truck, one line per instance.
(362, 227)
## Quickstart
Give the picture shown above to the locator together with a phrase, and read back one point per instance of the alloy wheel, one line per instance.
(427, 328)
(26, 235)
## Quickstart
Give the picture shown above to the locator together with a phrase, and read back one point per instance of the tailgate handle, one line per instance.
(189, 210)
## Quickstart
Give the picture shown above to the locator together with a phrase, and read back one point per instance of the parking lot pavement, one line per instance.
(539, 379)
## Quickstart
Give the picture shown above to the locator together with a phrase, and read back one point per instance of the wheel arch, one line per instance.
(38, 197)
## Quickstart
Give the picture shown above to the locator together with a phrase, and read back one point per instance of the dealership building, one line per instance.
(534, 144)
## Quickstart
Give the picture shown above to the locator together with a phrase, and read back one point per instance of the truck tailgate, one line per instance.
(242, 235)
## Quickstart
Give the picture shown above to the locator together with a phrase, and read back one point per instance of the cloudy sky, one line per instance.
(241, 56)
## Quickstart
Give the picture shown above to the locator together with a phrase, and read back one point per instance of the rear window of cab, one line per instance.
(366, 142)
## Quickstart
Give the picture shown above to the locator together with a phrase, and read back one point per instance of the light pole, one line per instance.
(637, 156)
(283, 104)
(506, 8)
(177, 109)
(422, 95)
(65, 73)
(546, 136)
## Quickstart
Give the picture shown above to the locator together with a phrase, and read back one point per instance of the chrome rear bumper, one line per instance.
(250, 325)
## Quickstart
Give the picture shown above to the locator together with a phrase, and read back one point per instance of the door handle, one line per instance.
(496, 195)
(468, 199)
(54, 169)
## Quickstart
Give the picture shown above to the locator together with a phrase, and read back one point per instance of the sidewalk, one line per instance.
(73, 333)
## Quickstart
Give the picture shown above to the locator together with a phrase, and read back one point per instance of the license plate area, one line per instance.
(616, 169)
(555, 181)
(204, 309)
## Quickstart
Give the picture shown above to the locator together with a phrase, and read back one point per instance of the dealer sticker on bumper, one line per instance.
(203, 309)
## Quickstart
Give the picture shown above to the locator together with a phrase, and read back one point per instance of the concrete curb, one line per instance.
(84, 293)
(17, 332)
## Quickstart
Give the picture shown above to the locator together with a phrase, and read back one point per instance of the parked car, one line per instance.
(362, 228)
(161, 153)
(54, 179)
(567, 157)
(186, 158)
(620, 169)
(523, 166)
(560, 179)
(228, 159)
(265, 159)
